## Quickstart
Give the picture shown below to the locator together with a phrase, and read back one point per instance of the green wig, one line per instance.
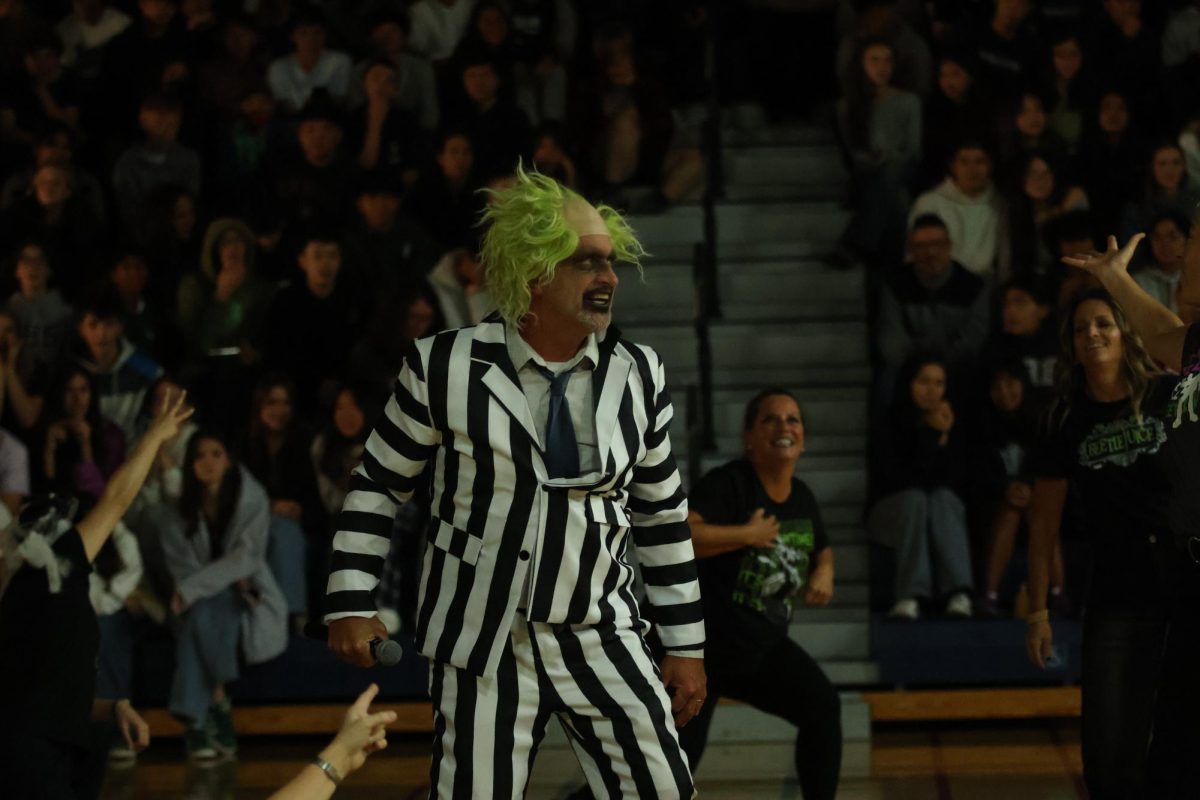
(528, 236)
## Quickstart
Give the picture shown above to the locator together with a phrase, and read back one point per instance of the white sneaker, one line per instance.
(908, 608)
(959, 605)
(121, 756)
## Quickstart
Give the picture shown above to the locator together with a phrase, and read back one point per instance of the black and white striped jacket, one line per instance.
(459, 420)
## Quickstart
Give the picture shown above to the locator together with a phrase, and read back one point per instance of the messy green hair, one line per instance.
(528, 236)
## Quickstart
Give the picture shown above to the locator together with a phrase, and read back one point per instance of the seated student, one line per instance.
(880, 126)
(1169, 232)
(157, 161)
(122, 374)
(499, 130)
(973, 212)
(276, 452)
(222, 310)
(55, 144)
(1001, 485)
(338, 448)
(80, 448)
(43, 316)
(383, 248)
(44, 93)
(1028, 333)
(920, 513)
(384, 136)
(457, 280)
(48, 637)
(52, 214)
(957, 111)
(438, 26)
(1043, 194)
(227, 601)
(314, 319)
(315, 185)
(931, 302)
(85, 30)
(416, 87)
(22, 382)
(396, 322)
(146, 325)
(1107, 162)
(1167, 188)
(761, 547)
(310, 65)
(1030, 132)
(550, 156)
(445, 200)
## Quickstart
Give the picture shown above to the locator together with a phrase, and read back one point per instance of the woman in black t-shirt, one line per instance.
(760, 545)
(1107, 437)
(49, 636)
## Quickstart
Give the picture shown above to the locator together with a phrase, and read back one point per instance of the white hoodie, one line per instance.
(977, 226)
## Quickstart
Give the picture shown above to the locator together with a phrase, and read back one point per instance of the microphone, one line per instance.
(385, 652)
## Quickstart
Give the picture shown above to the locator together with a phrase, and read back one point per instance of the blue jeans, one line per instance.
(207, 644)
(287, 555)
(114, 662)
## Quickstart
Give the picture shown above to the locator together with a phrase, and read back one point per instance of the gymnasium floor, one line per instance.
(927, 762)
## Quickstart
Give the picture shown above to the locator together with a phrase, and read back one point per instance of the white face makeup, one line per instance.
(580, 296)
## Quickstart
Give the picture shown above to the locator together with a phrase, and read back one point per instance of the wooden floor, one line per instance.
(931, 761)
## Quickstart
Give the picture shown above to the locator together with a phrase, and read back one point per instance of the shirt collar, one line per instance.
(521, 353)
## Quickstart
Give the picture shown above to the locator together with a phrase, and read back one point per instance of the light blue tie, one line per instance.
(562, 452)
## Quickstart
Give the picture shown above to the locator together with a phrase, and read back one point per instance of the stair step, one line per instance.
(833, 640)
(851, 672)
(798, 165)
(780, 291)
(675, 226)
(665, 294)
(771, 354)
(807, 223)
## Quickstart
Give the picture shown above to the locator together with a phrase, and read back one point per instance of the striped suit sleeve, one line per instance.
(402, 443)
(658, 514)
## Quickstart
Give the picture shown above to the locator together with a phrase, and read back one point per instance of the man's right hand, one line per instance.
(350, 639)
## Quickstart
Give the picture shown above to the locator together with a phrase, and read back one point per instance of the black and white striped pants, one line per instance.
(599, 681)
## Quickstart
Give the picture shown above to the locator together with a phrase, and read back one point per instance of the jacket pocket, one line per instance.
(605, 510)
(455, 541)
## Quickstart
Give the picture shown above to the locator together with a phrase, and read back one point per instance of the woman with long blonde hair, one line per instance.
(1106, 438)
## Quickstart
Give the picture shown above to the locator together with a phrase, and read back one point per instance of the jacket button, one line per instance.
(524, 555)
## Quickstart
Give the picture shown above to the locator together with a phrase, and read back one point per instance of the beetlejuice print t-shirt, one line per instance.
(749, 594)
(1116, 463)
(1182, 420)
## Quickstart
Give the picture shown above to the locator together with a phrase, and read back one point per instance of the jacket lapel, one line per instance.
(501, 378)
(609, 382)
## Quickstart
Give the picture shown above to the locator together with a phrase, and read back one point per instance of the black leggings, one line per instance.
(789, 684)
(1141, 701)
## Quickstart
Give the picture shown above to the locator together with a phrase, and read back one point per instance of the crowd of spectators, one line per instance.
(987, 140)
(264, 202)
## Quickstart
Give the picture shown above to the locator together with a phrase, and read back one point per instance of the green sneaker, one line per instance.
(220, 728)
(199, 745)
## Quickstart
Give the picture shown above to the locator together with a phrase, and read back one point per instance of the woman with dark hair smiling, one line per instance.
(226, 598)
(1141, 646)
(761, 547)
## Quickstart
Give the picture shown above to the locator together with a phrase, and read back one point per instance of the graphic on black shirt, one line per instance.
(1186, 397)
(768, 580)
(1121, 442)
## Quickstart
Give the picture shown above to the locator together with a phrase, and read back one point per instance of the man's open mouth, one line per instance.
(598, 300)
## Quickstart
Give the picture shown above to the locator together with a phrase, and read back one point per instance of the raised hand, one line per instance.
(173, 412)
(1113, 261)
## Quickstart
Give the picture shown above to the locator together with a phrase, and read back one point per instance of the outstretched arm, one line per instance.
(1160, 328)
(125, 483)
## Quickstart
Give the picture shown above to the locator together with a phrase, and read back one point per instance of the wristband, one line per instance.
(1035, 617)
(329, 770)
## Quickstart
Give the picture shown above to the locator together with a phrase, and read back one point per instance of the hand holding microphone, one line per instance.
(361, 641)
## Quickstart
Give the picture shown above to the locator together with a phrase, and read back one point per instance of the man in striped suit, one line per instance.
(540, 436)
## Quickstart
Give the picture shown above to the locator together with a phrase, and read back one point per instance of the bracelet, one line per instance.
(329, 770)
(1035, 617)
